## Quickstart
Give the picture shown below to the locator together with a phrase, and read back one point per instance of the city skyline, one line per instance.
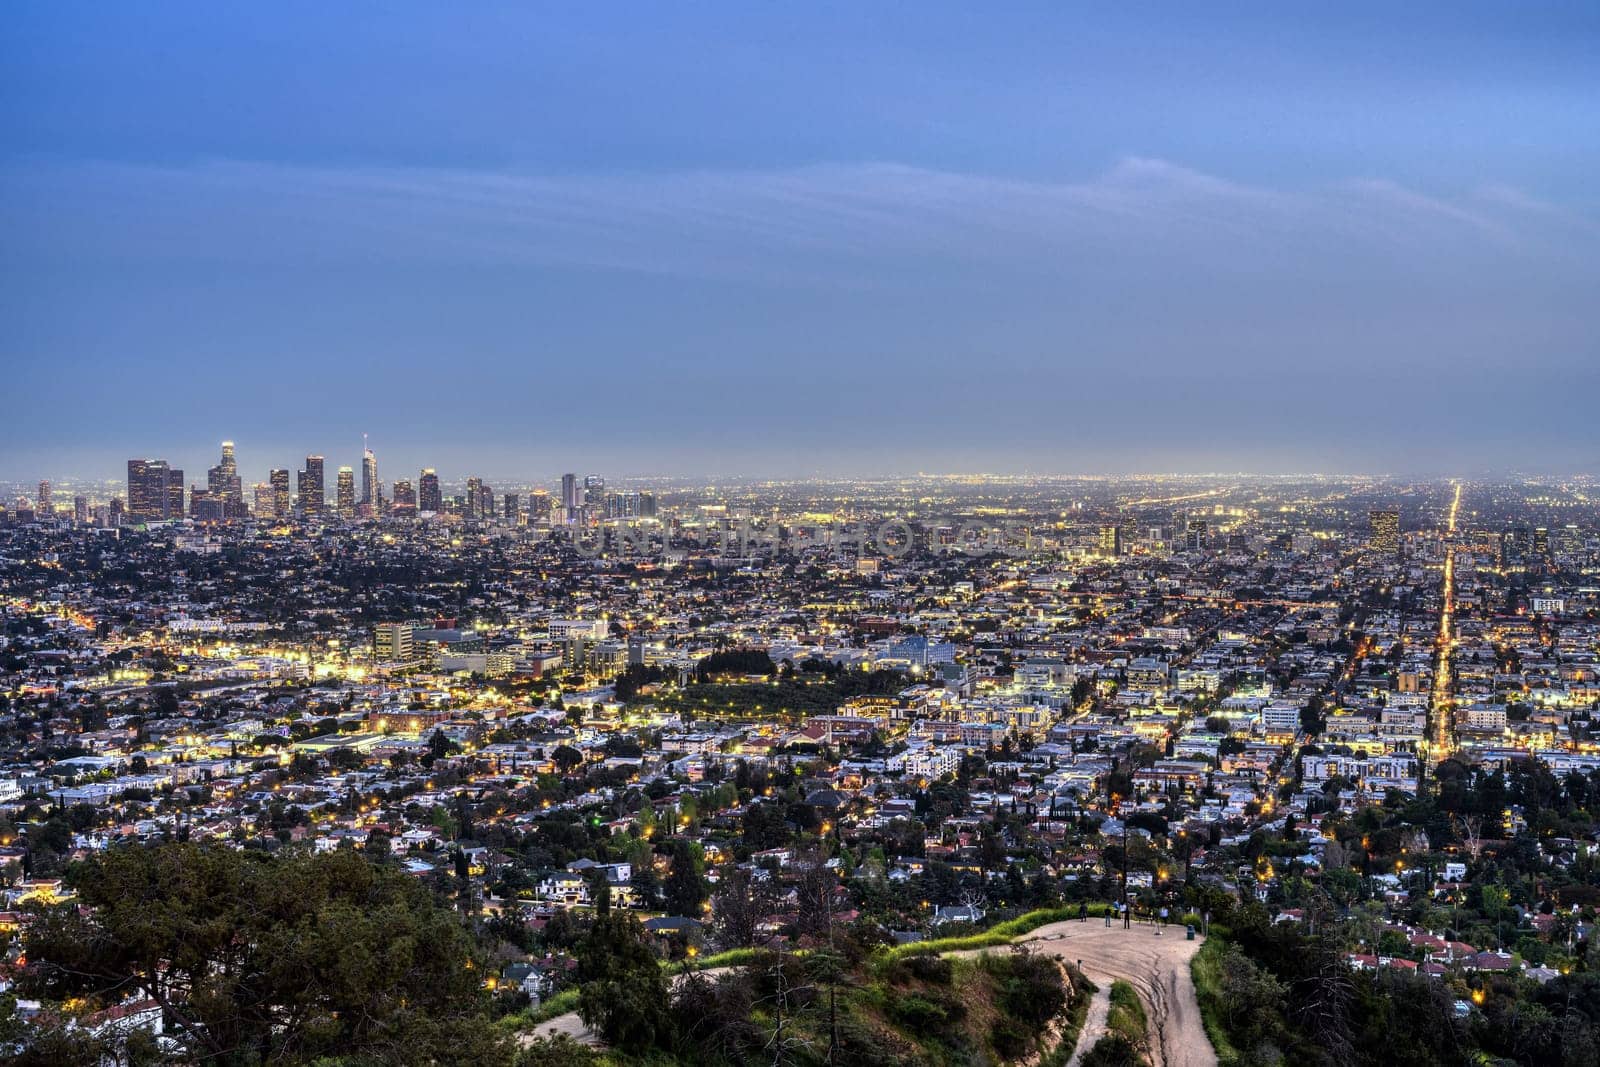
(469, 464)
(1037, 240)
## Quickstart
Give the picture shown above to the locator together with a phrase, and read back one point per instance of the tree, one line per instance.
(566, 758)
(623, 993)
(286, 958)
(439, 746)
(686, 883)
(736, 909)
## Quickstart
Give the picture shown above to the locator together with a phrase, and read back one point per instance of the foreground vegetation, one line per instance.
(1274, 993)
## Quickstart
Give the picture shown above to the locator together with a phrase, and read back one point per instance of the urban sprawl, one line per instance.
(764, 715)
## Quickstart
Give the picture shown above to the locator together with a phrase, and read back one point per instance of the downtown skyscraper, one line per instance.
(313, 496)
(370, 488)
(155, 490)
(345, 493)
(429, 497)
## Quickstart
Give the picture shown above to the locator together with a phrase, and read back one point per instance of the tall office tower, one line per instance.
(1384, 530)
(140, 484)
(117, 511)
(594, 493)
(47, 503)
(1111, 540)
(175, 493)
(539, 506)
(223, 483)
(280, 494)
(262, 494)
(405, 498)
(513, 509)
(155, 491)
(345, 494)
(647, 505)
(429, 498)
(1195, 535)
(1541, 539)
(313, 489)
(370, 490)
(474, 491)
(483, 505)
(80, 509)
(570, 500)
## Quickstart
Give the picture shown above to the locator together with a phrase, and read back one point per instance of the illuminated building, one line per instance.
(1384, 528)
(405, 497)
(513, 509)
(155, 490)
(1195, 535)
(1111, 540)
(428, 496)
(313, 489)
(475, 494)
(280, 494)
(571, 502)
(345, 493)
(392, 642)
(223, 484)
(80, 509)
(47, 505)
(263, 498)
(370, 491)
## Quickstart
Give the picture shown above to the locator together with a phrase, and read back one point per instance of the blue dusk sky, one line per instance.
(804, 238)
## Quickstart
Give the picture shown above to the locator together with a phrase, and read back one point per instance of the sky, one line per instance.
(801, 239)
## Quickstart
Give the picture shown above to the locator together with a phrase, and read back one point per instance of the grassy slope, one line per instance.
(1204, 969)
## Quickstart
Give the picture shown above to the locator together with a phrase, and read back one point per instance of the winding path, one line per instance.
(1157, 967)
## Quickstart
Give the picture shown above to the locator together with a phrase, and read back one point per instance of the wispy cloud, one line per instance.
(809, 223)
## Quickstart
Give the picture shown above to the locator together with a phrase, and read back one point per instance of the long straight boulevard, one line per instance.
(1441, 720)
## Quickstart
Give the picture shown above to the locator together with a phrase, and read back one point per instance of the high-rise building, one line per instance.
(513, 509)
(474, 491)
(1195, 535)
(279, 480)
(539, 506)
(313, 489)
(47, 504)
(483, 503)
(429, 498)
(570, 499)
(1111, 540)
(1541, 540)
(345, 493)
(370, 490)
(261, 493)
(405, 497)
(223, 483)
(155, 491)
(594, 493)
(80, 509)
(1383, 528)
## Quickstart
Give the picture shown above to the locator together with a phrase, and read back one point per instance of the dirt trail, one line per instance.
(1094, 1023)
(1157, 967)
